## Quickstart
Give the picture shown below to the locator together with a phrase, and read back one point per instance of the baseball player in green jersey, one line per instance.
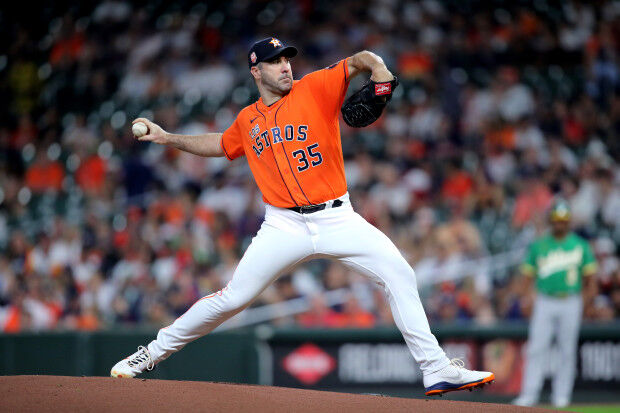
(562, 266)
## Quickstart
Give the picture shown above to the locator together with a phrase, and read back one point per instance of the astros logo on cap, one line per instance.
(275, 42)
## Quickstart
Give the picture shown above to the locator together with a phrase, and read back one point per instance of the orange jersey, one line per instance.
(293, 146)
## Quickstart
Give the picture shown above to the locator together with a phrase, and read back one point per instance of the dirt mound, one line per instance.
(93, 394)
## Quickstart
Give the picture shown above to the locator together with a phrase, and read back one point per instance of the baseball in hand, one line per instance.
(139, 129)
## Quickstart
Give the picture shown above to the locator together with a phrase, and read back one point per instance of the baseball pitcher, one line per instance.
(559, 263)
(291, 140)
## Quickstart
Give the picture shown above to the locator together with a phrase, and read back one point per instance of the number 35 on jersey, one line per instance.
(306, 157)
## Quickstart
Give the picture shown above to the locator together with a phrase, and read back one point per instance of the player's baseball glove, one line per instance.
(366, 105)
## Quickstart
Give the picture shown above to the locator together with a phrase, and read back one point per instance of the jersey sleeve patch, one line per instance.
(589, 269)
(527, 269)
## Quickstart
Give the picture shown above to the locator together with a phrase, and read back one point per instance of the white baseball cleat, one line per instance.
(560, 403)
(133, 365)
(524, 402)
(455, 377)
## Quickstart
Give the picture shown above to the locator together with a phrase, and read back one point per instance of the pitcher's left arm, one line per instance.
(366, 61)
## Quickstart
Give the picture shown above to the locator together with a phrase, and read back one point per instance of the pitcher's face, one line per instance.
(275, 75)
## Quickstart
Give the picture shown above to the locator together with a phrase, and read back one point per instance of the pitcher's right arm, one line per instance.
(207, 145)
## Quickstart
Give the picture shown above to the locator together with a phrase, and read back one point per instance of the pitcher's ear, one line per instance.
(255, 71)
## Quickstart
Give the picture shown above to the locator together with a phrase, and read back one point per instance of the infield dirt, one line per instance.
(99, 394)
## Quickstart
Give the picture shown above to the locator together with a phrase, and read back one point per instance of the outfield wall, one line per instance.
(226, 356)
(309, 358)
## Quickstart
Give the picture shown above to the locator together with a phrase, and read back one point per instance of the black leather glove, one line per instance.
(366, 105)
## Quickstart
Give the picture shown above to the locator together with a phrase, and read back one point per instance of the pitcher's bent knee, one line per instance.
(233, 303)
(400, 274)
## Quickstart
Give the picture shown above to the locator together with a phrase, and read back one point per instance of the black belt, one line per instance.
(309, 209)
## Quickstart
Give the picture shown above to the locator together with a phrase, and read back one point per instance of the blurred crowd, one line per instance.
(501, 109)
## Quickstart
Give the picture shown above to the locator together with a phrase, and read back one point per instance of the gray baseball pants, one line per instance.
(559, 318)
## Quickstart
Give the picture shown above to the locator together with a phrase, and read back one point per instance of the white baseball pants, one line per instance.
(287, 238)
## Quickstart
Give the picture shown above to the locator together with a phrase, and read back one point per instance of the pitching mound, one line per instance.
(93, 394)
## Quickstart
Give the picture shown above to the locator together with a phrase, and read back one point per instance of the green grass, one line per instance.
(591, 408)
